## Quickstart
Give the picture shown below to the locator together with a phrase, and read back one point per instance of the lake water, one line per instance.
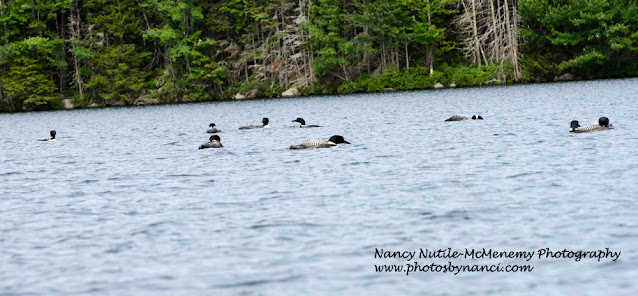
(123, 203)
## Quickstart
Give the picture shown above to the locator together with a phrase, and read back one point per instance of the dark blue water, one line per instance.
(123, 203)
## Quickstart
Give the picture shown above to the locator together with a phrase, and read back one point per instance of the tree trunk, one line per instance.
(246, 70)
(345, 70)
(407, 57)
(430, 58)
(512, 40)
(383, 57)
(76, 36)
(59, 27)
(366, 54)
(496, 41)
(475, 31)
(514, 22)
(396, 51)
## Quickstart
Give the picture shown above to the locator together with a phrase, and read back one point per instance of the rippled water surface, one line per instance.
(123, 203)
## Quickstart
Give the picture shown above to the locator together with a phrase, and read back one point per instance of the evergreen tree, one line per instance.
(596, 39)
(26, 80)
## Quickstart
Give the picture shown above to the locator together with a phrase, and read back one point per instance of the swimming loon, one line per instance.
(603, 124)
(213, 129)
(459, 117)
(314, 144)
(263, 124)
(213, 142)
(303, 123)
(52, 133)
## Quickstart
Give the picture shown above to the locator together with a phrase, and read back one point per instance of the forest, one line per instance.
(132, 52)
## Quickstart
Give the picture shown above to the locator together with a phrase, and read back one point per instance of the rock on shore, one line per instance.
(291, 92)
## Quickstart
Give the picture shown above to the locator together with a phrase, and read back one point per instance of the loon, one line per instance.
(459, 117)
(263, 124)
(601, 125)
(303, 123)
(52, 133)
(214, 142)
(213, 129)
(314, 144)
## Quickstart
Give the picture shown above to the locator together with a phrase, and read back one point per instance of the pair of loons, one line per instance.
(212, 128)
(460, 117)
(265, 121)
(601, 125)
(215, 142)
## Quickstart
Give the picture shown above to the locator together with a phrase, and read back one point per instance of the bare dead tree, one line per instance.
(489, 33)
(279, 47)
(75, 31)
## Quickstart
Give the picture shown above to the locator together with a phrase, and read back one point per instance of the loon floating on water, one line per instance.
(314, 144)
(263, 124)
(459, 117)
(603, 124)
(213, 142)
(213, 129)
(52, 133)
(303, 123)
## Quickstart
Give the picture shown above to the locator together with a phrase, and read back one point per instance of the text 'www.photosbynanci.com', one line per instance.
(413, 266)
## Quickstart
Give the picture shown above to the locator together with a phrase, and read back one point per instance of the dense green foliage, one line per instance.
(107, 52)
(594, 39)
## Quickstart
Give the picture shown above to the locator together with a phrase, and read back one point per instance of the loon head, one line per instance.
(264, 121)
(477, 117)
(216, 138)
(338, 140)
(573, 125)
(52, 133)
(300, 120)
(603, 121)
(212, 125)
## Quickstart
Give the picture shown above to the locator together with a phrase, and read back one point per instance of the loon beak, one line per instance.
(346, 142)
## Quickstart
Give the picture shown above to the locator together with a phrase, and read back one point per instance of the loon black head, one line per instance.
(338, 140)
(300, 120)
(477, 117)
(52, 133)
(603, 121)
(264, 121)
(573, 125)
(212, 125)
(216, 138)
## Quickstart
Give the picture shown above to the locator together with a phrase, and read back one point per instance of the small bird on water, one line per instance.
(52, 133)
(213, 142)
(263, 124)
(212, 128)
(303, 123)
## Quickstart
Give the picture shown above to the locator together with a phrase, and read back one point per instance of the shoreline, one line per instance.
(67, 104)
